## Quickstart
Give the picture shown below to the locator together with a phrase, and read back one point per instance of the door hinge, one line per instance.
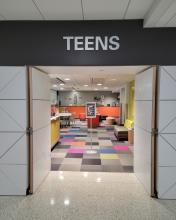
(154, 131)
(29, 131)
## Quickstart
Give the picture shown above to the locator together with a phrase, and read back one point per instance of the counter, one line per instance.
(102, 110)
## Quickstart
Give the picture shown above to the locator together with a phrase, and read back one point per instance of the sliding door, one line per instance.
(145, 125)
(40, 144)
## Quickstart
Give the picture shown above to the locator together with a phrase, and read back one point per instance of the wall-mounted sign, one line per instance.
(92, 42)
(85, 43)
(91, 110)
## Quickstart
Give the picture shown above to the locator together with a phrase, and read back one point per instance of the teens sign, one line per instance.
(91, 42)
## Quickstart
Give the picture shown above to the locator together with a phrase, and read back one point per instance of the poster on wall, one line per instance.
(91, 110)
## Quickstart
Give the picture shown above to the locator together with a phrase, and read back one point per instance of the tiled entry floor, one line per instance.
(71, 154)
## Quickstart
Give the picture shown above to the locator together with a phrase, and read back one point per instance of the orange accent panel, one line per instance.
(104, 111)
(109, 111)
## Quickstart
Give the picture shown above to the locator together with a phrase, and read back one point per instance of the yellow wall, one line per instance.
(55, 131)
(131, 101)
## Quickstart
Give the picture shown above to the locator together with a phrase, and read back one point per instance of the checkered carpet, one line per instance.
(72, 153)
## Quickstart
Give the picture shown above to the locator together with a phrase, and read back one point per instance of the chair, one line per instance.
(63, 122)
(72, 119)
(121, 132)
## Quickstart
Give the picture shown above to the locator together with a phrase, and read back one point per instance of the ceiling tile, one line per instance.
(109, 76)
(2, 17)
(172, 22)
(19, 10)
(104, 9)
(138, 8)
(60, 9)
(157, 10)
(167, 16)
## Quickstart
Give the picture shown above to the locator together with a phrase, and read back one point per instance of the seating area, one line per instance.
(121, 132)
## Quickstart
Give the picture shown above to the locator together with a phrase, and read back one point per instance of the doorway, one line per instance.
(112, 138)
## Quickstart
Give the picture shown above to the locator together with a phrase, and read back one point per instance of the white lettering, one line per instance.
(114, 44)
(79, 42)
(88, 43)
(68, 39)
(99, 42)
(92, 42)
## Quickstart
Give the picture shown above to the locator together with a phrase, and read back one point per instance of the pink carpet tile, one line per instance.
(122, 148)
(76, 151)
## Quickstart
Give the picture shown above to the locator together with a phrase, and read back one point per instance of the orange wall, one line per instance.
(109, 111)
(104, 111)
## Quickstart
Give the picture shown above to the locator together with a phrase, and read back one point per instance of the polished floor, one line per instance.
(87, 196)
(73, 153)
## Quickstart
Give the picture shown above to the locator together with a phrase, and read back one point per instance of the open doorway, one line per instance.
(111, 130)
(110, 134)
(123, 130)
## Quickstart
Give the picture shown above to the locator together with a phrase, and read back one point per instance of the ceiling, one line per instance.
(111, 77)
(156, 13)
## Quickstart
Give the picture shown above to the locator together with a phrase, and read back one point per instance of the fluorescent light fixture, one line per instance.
(85, 85)
(95, 89)
(99, 84)
(54, 85)
(61, 84)
(67, 79)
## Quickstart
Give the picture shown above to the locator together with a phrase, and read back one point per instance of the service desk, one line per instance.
(107, 111)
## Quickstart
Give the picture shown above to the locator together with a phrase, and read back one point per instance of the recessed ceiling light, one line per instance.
(61, 84)
(105, 87)
(85, 85)
(67, 79)
(99, 84)
(54, 85)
